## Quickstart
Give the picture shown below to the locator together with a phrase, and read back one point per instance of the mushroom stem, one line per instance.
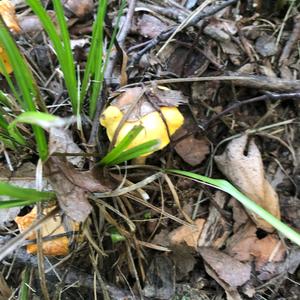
(139, 160)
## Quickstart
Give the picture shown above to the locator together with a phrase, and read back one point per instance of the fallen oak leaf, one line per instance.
(247, 173)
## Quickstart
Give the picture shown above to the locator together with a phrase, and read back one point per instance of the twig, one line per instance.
(250, 81)
(295, 36)
(267, 97)
(73, 275)
(168, 33)
(121, 40)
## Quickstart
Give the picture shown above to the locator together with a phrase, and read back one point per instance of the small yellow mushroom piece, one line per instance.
(153, 123)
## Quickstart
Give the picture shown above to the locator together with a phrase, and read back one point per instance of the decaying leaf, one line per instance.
(5, 291)
(8, 14)
(50, 228)
(24, 177)
(71, 187)
(61, 141)
(239, 215)
(150, 26)
(289, 265)
(229, 269)
(216, 229)
(187, 234)
(247, 173)
(246, 246)
(192, 150)
(146, 101)
(79, 8)
(160, 283)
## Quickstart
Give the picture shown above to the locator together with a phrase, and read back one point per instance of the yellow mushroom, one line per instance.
(153, 123)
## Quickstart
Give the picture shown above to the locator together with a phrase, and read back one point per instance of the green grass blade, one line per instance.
(24, 290)
(3, 123)
(20, 193)
(225, 186)
(117, 151)
(68, 56)
(40, 119)
(61, 45)
(114, 34)
(136, 151)
(4, 98)
(25, 82)
(18, 203)
(96, 59)
(10, 84)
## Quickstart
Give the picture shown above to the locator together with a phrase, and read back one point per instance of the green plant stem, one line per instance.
(227, 187)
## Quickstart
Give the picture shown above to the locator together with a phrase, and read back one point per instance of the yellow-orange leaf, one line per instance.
(50, 228)
(8, 14)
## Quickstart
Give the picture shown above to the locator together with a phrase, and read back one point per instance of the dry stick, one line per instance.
(295, 36)
(266, 97)
(22, 258)
(121, 40)
(250, 81)
(166, 34)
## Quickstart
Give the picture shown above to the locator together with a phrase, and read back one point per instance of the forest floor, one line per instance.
(233, 70)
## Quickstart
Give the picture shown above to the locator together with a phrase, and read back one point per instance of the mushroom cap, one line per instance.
(153, 123)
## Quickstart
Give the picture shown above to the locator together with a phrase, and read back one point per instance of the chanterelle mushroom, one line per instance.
(159, 117)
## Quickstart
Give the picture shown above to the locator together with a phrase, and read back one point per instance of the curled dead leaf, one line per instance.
(246, 246)
(146, 101)
(216, 229)
(247, 173)
(72, 187)
(192, 150)
(79, 8)
(50, 228)
(229, 269)
(8, 14)
(187, 234)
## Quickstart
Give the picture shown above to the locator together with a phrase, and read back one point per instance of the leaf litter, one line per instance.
(215, 255)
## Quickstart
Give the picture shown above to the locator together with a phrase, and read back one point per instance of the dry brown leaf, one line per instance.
(239, 215)
(51, 227)
(187, 234)
(79, 8)
(246, 246)
(229, 269)
(8, 14)
(231, 292)
(247, 173)
(147, 100)
(216, 229)
(5, 291)
(150, 26)
(71, 187)
(61, 141)
(192, 150)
